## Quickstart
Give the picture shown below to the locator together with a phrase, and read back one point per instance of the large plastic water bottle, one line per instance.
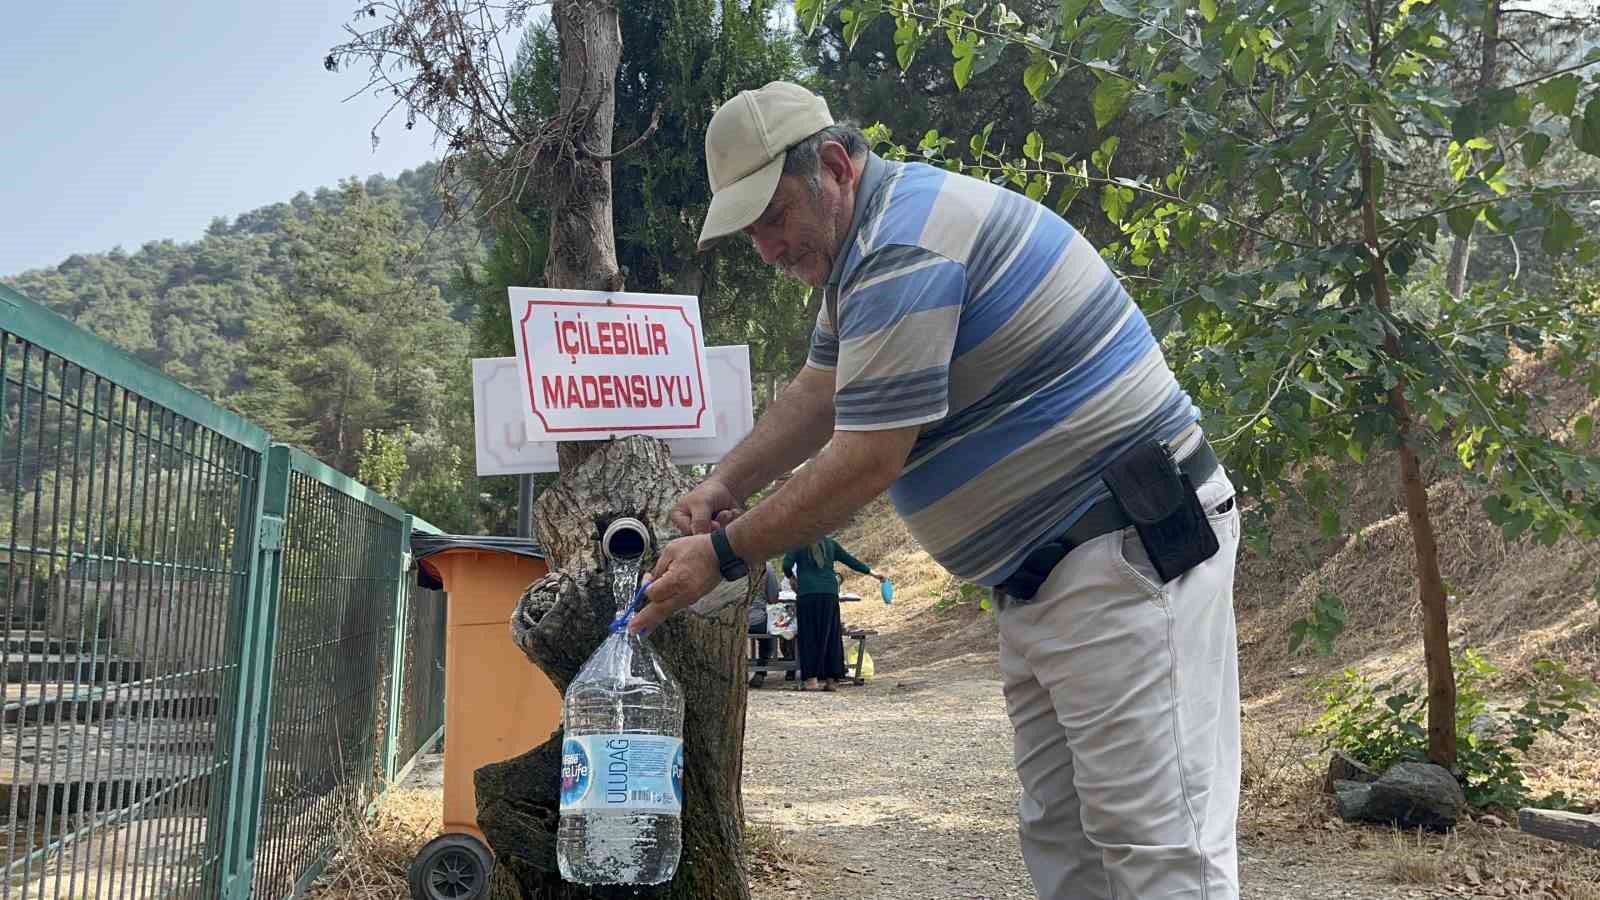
(621, 761)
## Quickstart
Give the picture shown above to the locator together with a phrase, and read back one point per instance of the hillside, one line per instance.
(185, 308)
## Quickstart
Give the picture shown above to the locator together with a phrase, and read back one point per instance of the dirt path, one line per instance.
(904, 789)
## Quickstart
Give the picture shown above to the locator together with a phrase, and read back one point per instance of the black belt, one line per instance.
(1102, 518)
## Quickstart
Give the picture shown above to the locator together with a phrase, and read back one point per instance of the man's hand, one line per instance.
(686, 571)
(705, 509)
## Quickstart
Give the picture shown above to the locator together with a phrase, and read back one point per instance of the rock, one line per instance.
(1484, 727)
(1343, 767)
(1412, 795)
(1352, 799)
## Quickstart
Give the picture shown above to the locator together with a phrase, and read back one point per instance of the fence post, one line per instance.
(254, 701)
(397, 667)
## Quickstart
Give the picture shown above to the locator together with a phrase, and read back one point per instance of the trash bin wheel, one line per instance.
(451, 867)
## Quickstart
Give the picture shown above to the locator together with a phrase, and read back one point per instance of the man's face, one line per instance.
(802, 232)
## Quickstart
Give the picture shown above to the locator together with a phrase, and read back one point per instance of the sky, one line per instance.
(131, 122)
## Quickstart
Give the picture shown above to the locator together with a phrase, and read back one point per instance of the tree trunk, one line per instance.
(1455, 275)
(1435, 614)
(563, 618)
(559, 622)
(1455, 271)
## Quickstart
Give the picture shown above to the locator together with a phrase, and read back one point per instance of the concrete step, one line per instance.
(20, 667)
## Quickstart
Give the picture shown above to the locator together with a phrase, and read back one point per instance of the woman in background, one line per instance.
(816, 588)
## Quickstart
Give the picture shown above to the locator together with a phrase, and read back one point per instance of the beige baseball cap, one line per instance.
(745, 144)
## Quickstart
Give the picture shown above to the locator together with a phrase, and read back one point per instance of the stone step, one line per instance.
(103, 766)
(38, 642)
(37, 667)
(73, 702)
(155, 855)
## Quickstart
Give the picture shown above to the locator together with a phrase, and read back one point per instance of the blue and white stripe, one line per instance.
(986, 319)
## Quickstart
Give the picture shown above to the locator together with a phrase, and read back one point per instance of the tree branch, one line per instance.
(655, 121)
(1549, 75)
(1569, 20)
(1265, 407)
(1400, 224)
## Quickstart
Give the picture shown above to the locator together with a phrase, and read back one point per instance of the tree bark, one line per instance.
(1455, 277)
(563, 618)
(559, 622)
(1430, 583)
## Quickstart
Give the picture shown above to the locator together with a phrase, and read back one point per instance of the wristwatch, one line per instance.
(732, 567)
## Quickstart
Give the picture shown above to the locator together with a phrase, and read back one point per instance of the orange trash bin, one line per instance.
(483, 578)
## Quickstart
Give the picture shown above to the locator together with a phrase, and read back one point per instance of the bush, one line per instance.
(1382, 724)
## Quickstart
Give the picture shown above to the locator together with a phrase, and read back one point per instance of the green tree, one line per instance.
(1323, 155)
(352, 343)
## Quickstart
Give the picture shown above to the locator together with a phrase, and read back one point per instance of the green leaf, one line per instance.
(1115, 204)
(1583, 429)
(1331, 609)
(1329, 522)
(1586, 131)
(1384, 119)
(1036, 188)
(1467, 121)
(1033, 148)
(963, 71)
(1068, 194)
(1071, 8)
(1208, 8)
(1119, 9)
(1244, 67)
(1034, 77)
(1561, 232)
(1534, 146)
(1560, 95)
(1461, 220)
(1110, 98)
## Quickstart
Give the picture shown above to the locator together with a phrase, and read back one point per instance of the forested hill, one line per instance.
(187, 308)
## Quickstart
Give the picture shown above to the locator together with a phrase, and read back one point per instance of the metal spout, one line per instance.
(624, 539)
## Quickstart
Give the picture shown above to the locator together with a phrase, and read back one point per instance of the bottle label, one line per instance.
(622, 772)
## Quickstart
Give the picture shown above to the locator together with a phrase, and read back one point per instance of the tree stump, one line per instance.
(559, 622)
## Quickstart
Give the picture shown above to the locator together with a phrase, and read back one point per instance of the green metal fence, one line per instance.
(213, 653)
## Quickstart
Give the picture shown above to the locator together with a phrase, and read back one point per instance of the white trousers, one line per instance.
(1124, 695)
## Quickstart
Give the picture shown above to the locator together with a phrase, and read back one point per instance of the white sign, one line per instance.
(598, 365)
(502, 441)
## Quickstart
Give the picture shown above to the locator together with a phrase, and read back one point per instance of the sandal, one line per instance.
(828, 687)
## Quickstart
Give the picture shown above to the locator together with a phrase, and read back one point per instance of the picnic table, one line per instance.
(858, 634)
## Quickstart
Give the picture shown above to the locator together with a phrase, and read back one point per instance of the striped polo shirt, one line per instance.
(985, 318)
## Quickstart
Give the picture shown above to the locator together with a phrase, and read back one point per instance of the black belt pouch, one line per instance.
(1160, 500)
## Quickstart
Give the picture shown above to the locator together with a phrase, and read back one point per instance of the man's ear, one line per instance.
(835, 163)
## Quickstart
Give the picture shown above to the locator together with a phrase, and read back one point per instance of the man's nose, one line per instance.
(770, 249)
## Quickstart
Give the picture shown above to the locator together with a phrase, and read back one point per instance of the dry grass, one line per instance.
(775, 856)
(1412, 861)
(375, 854)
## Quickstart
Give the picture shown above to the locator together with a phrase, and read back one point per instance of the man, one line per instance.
(976, 358)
